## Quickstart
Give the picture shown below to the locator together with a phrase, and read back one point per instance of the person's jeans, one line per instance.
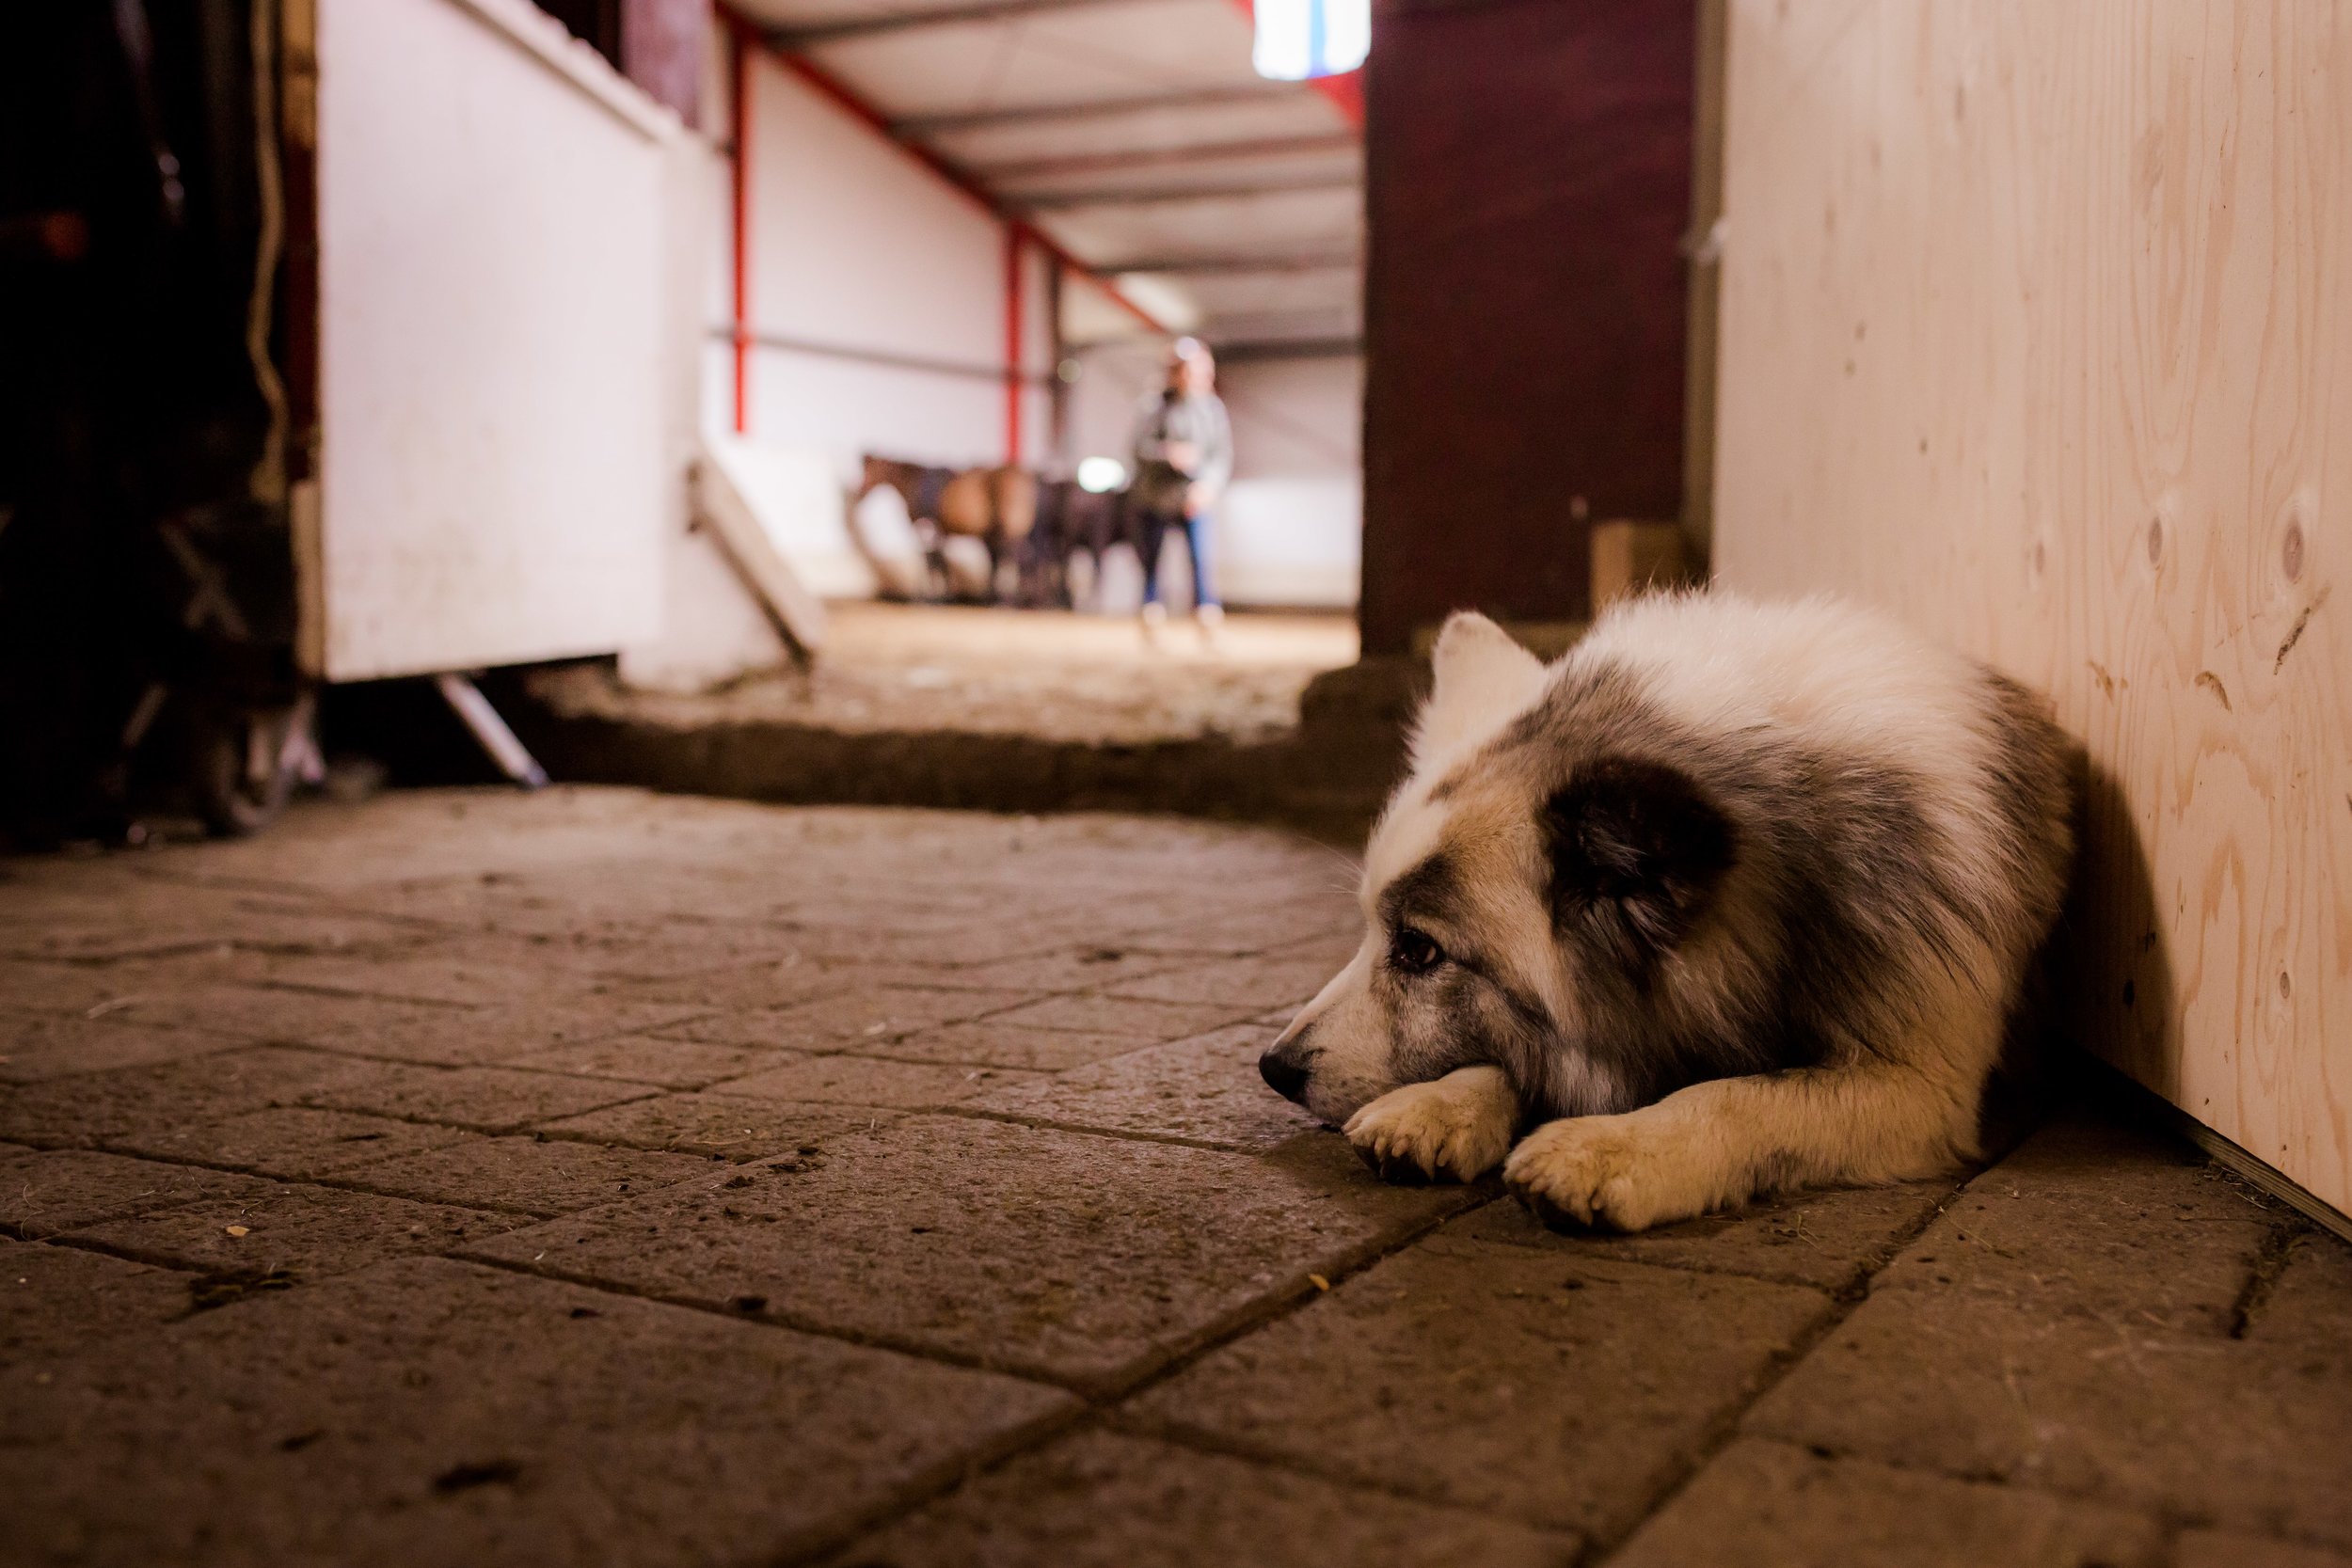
(1197, 526)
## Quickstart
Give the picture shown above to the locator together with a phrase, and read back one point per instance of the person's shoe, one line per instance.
(1155, 616)
(1210, 618)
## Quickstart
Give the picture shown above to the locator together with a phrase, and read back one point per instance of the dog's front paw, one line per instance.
(1458, 1127)
(1611, 1173)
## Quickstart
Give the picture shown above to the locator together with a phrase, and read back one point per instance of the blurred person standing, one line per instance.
(1183, 457)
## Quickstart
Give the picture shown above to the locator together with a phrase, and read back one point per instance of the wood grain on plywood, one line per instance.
(2036, 324)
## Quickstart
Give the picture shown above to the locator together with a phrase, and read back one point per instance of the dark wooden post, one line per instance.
(1529, 186)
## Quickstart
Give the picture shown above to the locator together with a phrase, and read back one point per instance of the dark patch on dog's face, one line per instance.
(1445, 1002)
(1429, 893)
(1450, 1016)
(1636, 850)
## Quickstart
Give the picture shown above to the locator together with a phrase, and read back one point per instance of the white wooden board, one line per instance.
(498, 459)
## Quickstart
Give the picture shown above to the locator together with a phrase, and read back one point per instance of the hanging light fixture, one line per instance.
(1300, 39)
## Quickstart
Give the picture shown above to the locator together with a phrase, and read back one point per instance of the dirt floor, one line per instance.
(602, 1177)
(1003, 710)
(1055, 677)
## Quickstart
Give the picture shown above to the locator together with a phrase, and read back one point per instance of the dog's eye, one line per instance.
(1413, 951)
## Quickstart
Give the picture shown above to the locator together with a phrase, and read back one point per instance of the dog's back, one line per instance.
(1851, 689)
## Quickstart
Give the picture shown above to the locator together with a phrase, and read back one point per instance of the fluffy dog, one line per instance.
(1734, 898)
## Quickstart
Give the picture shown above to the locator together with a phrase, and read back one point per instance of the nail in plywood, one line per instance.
(2037, 325)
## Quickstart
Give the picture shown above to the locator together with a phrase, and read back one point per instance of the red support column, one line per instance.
(1016, 287)
(739, 133)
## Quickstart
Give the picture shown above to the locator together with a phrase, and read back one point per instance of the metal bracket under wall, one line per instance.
(509, 753)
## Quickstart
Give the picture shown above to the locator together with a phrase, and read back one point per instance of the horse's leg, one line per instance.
(937, 580)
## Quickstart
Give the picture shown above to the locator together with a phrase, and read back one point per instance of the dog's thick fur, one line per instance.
(1734, 898)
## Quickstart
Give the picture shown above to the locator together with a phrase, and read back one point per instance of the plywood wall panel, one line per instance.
(2036, 326)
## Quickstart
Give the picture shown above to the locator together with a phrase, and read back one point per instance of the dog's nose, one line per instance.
(1285, 1070)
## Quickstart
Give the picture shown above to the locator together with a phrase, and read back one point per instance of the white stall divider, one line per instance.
(498, 378)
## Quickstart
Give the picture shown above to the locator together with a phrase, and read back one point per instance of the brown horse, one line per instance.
(996, 506)
(1073, 521)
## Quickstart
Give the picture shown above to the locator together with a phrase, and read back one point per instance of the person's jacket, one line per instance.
(1171, 423)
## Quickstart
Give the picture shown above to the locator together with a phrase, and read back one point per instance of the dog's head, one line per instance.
(1543, 865)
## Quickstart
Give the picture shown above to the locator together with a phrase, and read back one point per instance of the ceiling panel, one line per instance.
(1291, 112)
(1339, 322)
(1273, 293)
(1054, 56)
(1272, 224)
(1137, 103)
(1084, 181)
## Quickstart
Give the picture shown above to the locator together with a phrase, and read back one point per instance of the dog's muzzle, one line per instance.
(1284, 1066)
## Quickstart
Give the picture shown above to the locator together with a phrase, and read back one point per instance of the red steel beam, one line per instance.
(1015, 286)
(1346, 91)
(739, 133)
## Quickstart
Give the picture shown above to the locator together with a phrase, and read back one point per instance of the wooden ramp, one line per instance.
(723, 504)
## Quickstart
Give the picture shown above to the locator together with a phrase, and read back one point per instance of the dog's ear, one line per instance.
(1637, 850)
(1483, 678)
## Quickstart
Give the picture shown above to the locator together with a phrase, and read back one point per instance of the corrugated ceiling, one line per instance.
(1131, 133)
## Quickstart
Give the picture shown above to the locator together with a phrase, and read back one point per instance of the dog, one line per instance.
(1733, 898)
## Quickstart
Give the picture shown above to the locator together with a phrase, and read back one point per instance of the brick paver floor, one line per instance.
(603, 1177)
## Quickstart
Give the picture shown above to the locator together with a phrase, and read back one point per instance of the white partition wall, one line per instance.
(1291, 529)
(500, 382)
(876, 295)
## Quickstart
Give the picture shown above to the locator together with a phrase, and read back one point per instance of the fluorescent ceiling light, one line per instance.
(1299, 39)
